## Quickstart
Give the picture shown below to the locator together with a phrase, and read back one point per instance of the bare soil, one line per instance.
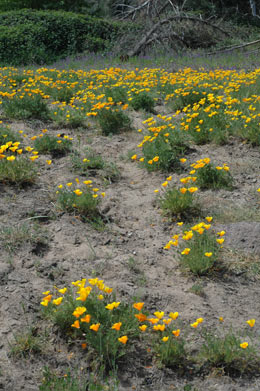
(128, 254)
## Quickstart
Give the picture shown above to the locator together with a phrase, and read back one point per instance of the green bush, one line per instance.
(26, 107)
(28, 36)
(209, 177)
(57, 147)
(113, 121)
(143, 101)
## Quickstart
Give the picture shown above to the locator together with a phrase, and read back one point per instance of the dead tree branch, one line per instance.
(143, 42)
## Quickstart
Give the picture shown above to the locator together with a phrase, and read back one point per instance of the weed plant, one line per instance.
(26, 343)
(82, 203)
(91, 161)
(21, 171)
(210, 177)
(177, 205)
(56, 146)
(225, 352)
(201, 254)
(9, 135)
(163, 153)
(118, 94)
(113, 121)
(26, 107)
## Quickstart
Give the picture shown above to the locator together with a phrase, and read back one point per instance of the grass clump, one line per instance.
(82, 202)
(21, 171)
(143, 101)
(14, 237)
(113, 121)
(228, 353)
(7, 135)
(210, 177)
(179, 203)
(56, 146)
(26, 343)
(202, 249)
(26, 107)
(66, 382)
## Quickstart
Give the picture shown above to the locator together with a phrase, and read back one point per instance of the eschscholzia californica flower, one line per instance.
(251, 322)
(86, 318)
(153, 320)
(159, 327)
(63, 290)
(220, 241)
(78, 192)
(143, 327)
(123, 339)
(79, 311)
(200, 320)
(138, 306)
(183, 160)
(221, 233)
(244, 345)
(57, 301)
(159, 314)
(192, 189)
(176, 333)
(183, 190)
(165, 339)
(173, 315)
(186, 251)
(180, 223)
(10, 158)
(194, 325)
(209, 219)
(95, 327)
(141, 317)
(116, 326)
(83, 345)
(76, 324)
(167, 321)
(113, 305)
(208, 254)
(221, 319)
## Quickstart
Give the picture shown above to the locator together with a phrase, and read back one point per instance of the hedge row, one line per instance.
(29, 36)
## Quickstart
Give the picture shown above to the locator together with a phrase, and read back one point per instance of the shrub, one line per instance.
(56, 146)
(113, 121)
(29, 36)
(27, 107)
(143, 101)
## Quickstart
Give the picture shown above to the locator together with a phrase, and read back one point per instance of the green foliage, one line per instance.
(168, 149)
(7, 134)
(113, 121)
(20, 172)
(196, 260)
(178, 205)
(56, 146)
(225, 352)
(67, 382)
(26, 343)
(172, 353)
(143, 101)
(102, 340)
(118, 94)
(85, 204)
(209, 177)
(91, 161)
(14, 237)
(28, 36)
(27, 107)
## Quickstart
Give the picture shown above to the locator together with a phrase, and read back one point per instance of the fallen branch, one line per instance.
(143, 42)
